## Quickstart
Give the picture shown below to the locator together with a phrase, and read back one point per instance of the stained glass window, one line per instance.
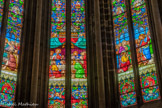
(144, 50)
(11, 53)
(78, 55)
(1, 12)
(79, 94)
(123, 54)
(56, 91)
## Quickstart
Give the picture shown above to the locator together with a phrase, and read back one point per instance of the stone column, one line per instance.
(42, 94)
(26, 53)
(160, 8)
(36, 55)
(99, 57)
(158, 28)
(108, 53)
(32, 86)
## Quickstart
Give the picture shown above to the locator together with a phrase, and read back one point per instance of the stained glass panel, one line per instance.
(1, 12)
(56, 91)
(79, 93)
(135, 3)
(123, 54)
(120, 20)
(11, 53)
(118, 7)
(126, 82)
(144, 50)
(128, 99)
(151, 93)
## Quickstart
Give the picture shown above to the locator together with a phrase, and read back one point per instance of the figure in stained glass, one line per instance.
(79, 70)
(124, 62)
(124, 57)
(145, 56)
(11, 53)
(57, 55)
(78, 55)
(123, 54)
(145, 51)
(79, 64)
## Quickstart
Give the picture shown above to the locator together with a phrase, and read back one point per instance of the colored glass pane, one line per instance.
(151, 93)
(78, 11)
(136, 3)
(79, 93)
(126, 82)
(120, 20)
(139, 12)
(144, 50)
(11, 53)
(128, 99)
(56, 91)
(1, 12)
(118, 7)
(123, 54)
(58, 16)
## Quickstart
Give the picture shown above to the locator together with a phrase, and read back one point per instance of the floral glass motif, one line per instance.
(79, 93)
(56, 91)
(128, 99)
(123, 54)
(1, 12)
(11, 53)
(145, 56)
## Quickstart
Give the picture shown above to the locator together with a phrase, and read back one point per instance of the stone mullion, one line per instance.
(94, 66)
(91, 57)
(36, 54)
(48, 36)
(44, 57)
(49, 2)
(88, 33)
(99, 59)
(68, 55)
